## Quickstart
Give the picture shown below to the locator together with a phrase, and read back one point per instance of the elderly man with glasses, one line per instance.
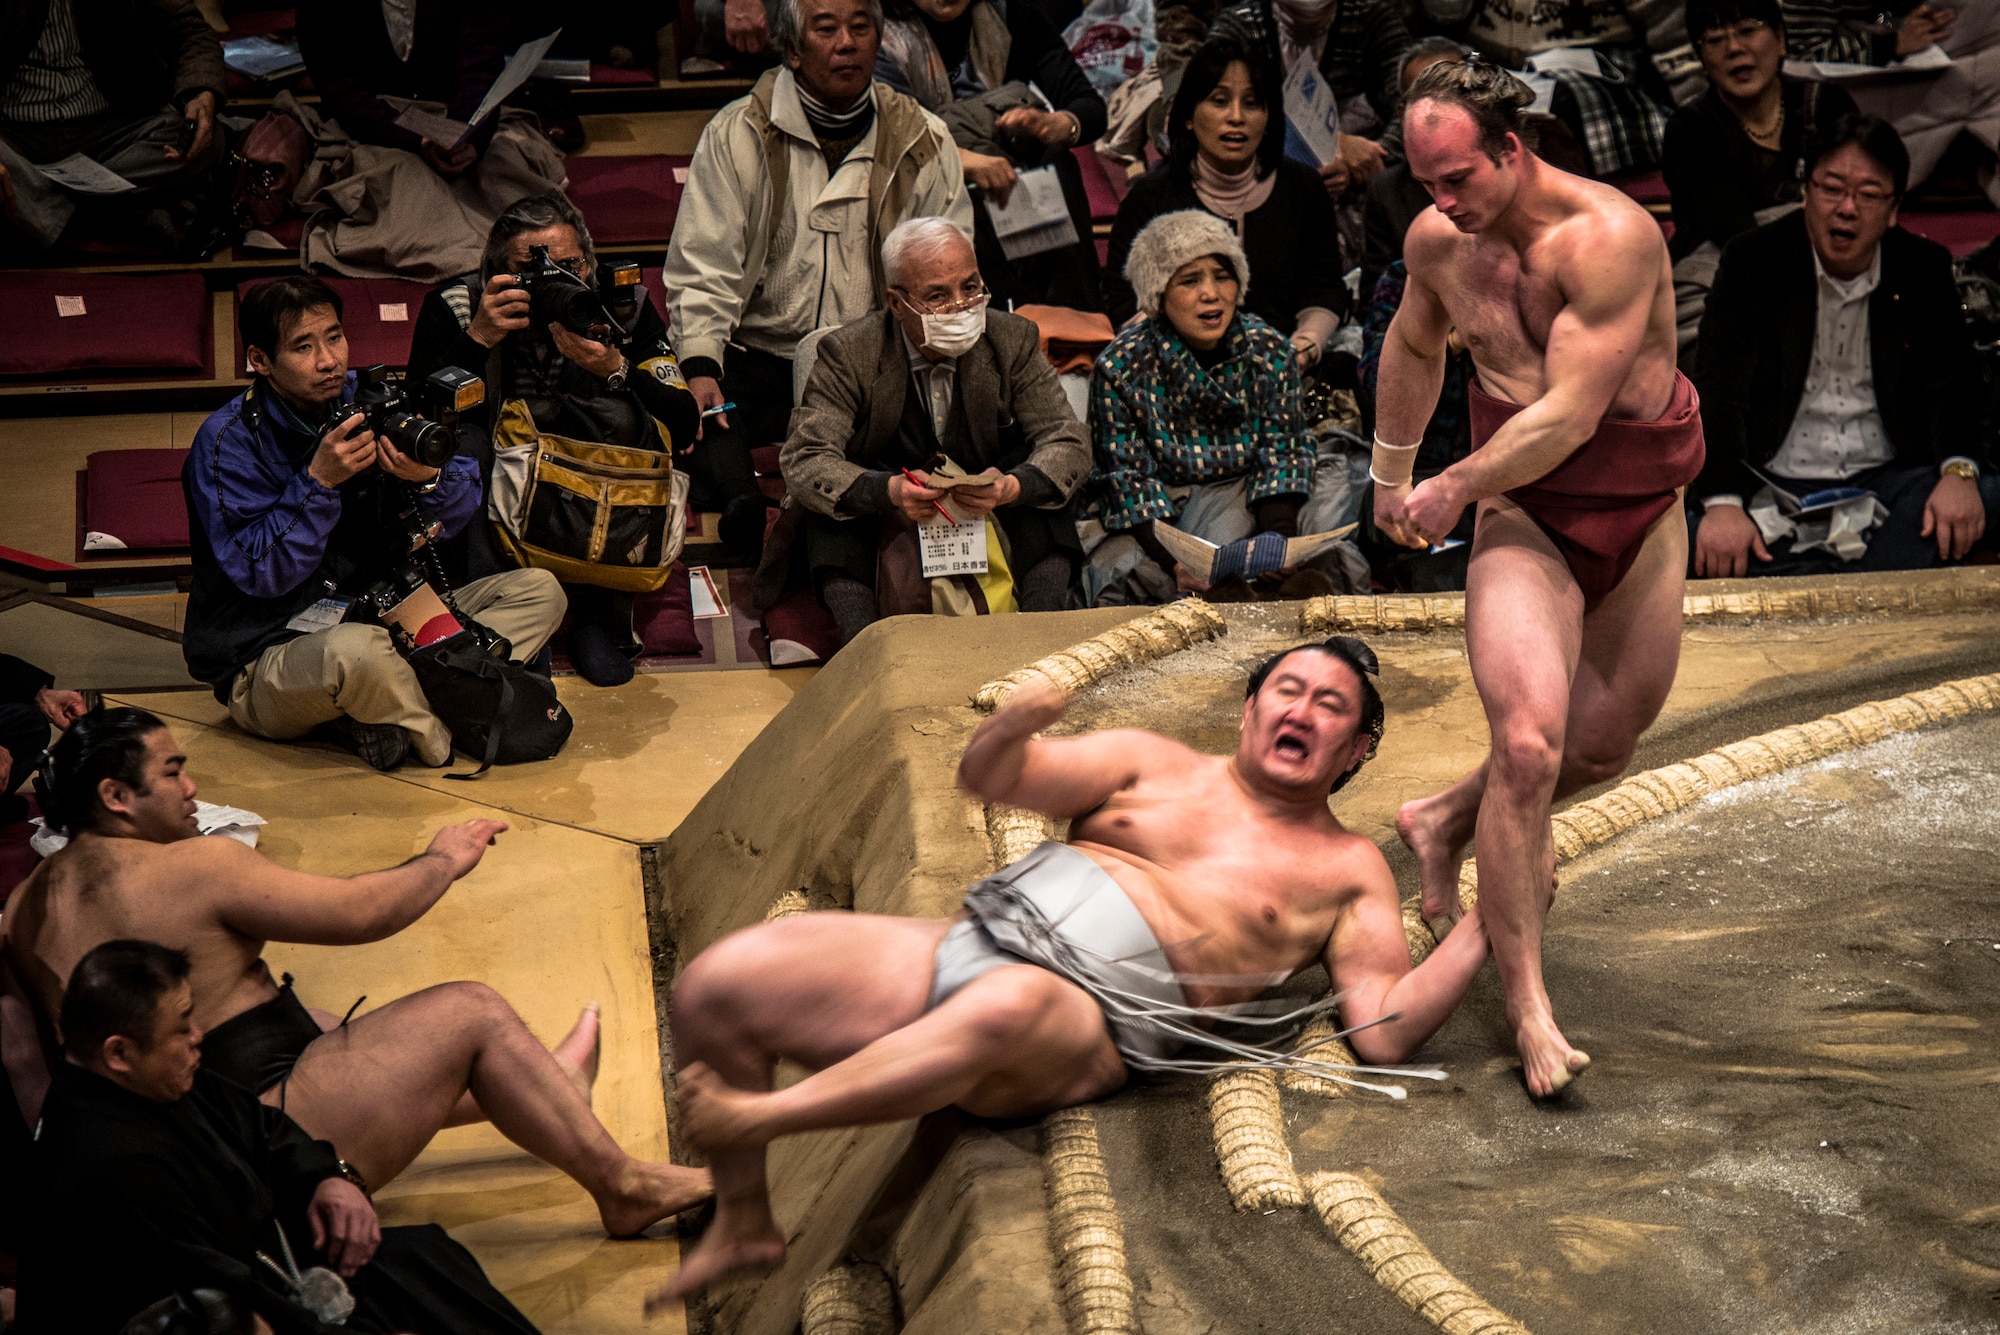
(935, 385)
(1834, 354)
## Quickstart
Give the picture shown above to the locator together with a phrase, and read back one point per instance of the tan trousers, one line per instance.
(354, 671)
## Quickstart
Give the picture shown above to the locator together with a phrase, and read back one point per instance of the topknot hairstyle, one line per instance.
(103, 744)
(1357, 655)
(1492, 96)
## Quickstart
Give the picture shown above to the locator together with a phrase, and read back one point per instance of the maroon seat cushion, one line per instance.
(799, 630)
(378, 315)
(627, 200)
(602, 75)
(1960, 232)
(157, 323)
(1646, 187)
(135, 497)
(1104, 183)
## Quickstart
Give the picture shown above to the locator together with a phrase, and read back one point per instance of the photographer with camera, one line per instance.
(299, 506)
(583, 384)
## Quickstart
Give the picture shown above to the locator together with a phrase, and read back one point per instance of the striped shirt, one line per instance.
(53, 84)
(1837, 30)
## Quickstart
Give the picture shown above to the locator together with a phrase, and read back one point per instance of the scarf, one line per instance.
(1231, 195)
(911, 46)
(830, 124)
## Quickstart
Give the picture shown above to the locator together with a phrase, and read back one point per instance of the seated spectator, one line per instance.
(1358, 45)
(1228, 136)
(1851, 32)
(1732, 158)
(939, 376)
(972, 62)
(378, 1087)
(630, 395)
(164, 1177)
(287, 515)
(789, 197)
(1196, 417)
(30, 705)
(1834, 353)
(401, 205)
(132, 84)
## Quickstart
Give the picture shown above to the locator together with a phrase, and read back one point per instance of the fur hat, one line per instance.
(1173, 239)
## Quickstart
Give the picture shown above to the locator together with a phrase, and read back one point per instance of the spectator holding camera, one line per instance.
(618, 387)
(292, 518)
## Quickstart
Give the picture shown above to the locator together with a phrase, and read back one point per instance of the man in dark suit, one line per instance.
(1834, 353)
(938, 377)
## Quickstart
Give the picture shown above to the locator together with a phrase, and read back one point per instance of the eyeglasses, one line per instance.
(1864, 196)
(951, 306)
(1745, 31)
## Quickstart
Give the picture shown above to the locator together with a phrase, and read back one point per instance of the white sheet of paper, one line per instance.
(1927, 61)
(514, 73)
(392, 312)
(85, 175)
(953, 549)
(1036, 201)
(701, 588)
(1312, 115)
(68, 306)
(440, 130)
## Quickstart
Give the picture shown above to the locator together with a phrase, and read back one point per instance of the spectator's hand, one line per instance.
(1391, 516)
(450, 161)
(707, 391)
(917, 502)
(993, 175)
(1306, 348)
(972, 502)
(1431, 510)
(1955, 516)
(600, 359)
(200, 112)
(746, 26)
(60, 708)
(463, 845)
(344, 1227)
(1186, 582)
(1335, 175)
(503, 308)
(1724, 540)
(1050, 127)
(1922, 26)
(397, 464)
(343, 452)
(1362, 157)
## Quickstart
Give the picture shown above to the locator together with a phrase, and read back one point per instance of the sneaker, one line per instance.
(382, 745)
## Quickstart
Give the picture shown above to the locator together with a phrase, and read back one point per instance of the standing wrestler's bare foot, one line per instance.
(646, 1193)
(578, 1053)
(1548, 1062)
(1434, 830)
(743, 1237)
(715, 1115)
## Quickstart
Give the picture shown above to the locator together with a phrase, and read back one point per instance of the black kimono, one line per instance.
(144, 1199)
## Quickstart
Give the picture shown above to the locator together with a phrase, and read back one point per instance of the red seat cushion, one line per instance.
(1647, 187)
(1104, 184)
(602, 75)
(627, 200)
(799, 630)
(1959, 232)
(378, 315)
(135, 497)
(161, 323)
(764, 460)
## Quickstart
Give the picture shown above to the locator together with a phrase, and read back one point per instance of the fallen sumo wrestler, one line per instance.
(1190, 885)
(1584, 435)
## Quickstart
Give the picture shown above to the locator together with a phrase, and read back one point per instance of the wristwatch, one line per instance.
(616, 380)
(1964, 468)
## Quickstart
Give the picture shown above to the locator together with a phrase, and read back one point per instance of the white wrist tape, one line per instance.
(1392, 465)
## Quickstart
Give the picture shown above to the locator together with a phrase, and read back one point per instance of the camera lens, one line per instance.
(418, 438)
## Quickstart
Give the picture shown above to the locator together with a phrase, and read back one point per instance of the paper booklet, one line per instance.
(447, 133)
(1035, 217)
(1247, 557)
(1927, 61)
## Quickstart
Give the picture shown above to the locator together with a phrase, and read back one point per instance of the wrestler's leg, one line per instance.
(1523, 633)
(845, 994)
(382, 1086)
(1630, 652)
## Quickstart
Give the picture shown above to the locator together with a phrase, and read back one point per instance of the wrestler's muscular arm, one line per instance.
(1411, 377)
(1368, 959)
(254, 896)
(1063, 777)
(1608, 271)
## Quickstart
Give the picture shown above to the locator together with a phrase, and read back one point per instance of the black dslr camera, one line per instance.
(557, 296)
(422, 424)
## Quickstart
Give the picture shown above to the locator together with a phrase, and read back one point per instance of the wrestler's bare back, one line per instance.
(1502, 288)
(1230, 891)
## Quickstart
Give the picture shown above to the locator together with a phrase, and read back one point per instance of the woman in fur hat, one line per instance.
(1196, 419)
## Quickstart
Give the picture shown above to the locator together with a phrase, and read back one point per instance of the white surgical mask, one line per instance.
(953, 335)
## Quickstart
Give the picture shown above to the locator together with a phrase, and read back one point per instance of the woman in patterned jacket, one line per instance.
(1197, 422)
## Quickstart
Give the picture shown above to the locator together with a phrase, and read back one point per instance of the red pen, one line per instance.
(911, 478)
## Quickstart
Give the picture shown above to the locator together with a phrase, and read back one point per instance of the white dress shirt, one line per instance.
(1837, 431)
(936, 381)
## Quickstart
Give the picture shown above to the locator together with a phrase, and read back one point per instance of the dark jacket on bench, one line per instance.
(269, 541)
(142, 53)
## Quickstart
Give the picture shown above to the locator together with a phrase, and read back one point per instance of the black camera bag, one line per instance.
(497, 711)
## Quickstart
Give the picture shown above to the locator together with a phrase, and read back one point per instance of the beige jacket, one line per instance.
(735, 274)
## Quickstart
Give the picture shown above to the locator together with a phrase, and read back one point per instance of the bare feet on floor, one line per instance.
(714, 1114)
(578, 1052)
(1548, 1062)
(650, 1192)
(1426, 827)
(739, 1239)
